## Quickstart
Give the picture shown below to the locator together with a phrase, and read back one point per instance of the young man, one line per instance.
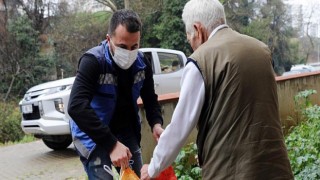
(229, 91)
(103, 102)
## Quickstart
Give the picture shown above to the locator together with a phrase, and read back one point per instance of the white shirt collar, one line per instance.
(217, 29)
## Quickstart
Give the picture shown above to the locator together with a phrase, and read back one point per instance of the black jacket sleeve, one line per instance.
(150, 98)
(79, 107)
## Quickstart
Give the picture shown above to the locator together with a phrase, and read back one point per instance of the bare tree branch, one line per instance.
(108, 3)
(308, 24)
(36, 14)
(12, 81)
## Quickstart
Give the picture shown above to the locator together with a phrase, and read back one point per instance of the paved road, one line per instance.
(36, 161)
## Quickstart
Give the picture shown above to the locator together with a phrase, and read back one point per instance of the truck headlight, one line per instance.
(58, 104)
(58, 89)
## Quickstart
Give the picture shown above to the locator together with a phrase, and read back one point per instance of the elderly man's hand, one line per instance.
(144, 172)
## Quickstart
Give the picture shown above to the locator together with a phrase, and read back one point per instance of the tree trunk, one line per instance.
(11, 83)
(126, 4)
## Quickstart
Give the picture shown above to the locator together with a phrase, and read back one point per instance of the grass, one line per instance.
(25, 139)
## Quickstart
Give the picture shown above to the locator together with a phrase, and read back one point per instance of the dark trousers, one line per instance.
(94, 166)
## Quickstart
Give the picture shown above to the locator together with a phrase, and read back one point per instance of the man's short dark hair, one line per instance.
(127, 18)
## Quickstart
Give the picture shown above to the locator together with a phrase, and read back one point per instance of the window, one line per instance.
(170, 62)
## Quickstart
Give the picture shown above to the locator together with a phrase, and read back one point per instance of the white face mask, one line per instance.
(124, 58)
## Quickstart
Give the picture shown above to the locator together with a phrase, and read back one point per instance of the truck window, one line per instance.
(170, 62)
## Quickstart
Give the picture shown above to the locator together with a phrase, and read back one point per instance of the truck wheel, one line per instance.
(58, 142)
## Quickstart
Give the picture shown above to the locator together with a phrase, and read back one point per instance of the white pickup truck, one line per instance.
(44, 107)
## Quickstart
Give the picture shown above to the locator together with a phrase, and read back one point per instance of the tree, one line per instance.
(309, 40)
(239, 13)
(279, 36)
(22, 63)
(73, 35)
(299, 16)
(35, 11)
(165, 28)
(108, 3)
(269, 24)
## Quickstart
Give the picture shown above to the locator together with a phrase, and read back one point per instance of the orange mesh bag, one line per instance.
(128, 174)
(167, 174)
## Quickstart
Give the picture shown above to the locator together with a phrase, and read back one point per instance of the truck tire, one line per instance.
(57, 142)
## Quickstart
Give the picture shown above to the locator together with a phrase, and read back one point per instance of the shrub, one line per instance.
(10, 129)
(303, 142)
(186, 166)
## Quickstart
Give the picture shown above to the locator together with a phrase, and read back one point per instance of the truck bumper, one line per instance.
(47, 115)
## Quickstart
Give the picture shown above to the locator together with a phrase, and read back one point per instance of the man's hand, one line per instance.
(157, 131)
(120, 155)
(144, 172)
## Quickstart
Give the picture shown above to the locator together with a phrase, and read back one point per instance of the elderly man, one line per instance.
(229, 91)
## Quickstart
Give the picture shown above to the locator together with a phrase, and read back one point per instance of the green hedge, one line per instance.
(10, 119)
(186, 166)
(303, 141)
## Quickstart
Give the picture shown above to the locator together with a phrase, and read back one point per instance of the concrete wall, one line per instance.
(287, 88)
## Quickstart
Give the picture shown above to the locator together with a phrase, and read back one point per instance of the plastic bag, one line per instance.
(167, 174)
(128, 174)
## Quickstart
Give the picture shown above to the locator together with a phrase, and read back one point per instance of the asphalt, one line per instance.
(33, 161)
